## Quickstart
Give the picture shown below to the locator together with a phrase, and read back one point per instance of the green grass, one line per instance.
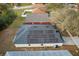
(19, 12)
(17, 23)
(19, 20)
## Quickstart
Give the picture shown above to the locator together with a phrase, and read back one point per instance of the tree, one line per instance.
(7, 16)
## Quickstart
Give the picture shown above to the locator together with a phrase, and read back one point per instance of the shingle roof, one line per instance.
(39, 53)
(31, 34)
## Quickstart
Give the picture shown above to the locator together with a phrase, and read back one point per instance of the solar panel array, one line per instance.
(38, 34)
(42, 27)
(37, 18)
(42, 36)
(39, 53)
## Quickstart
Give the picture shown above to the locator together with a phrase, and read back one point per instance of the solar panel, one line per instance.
(37, 18)
(38, 34)
(39, 53)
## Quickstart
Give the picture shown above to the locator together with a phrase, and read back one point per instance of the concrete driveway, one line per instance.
(68, 41)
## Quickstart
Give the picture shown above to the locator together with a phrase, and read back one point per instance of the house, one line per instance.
(39, 53)
(38, 32)
(38, 35)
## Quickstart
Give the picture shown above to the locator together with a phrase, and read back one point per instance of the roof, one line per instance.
(35, 34)
(37, 18)
(39, 53)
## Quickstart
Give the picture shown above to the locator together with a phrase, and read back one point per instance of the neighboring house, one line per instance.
(39, 53)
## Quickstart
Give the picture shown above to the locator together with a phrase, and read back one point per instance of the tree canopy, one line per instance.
(7, 16)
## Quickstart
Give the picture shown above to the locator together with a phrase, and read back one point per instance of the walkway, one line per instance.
(68, 41)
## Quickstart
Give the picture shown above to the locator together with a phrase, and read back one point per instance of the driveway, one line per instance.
(68, 41)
